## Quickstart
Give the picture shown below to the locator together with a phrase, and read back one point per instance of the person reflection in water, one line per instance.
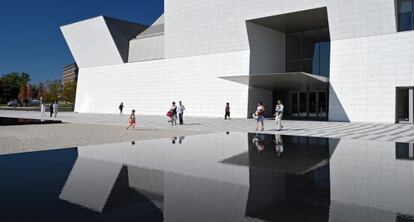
(173, 139)
(180, 139)
(278, 145)
(258, 141)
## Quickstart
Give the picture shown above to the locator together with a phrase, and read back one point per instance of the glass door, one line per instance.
(313, 105)
(303, 112)
(322, 105)
(308, 105)
(294, 104)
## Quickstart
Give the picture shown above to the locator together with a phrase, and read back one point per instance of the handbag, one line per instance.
(169, 113)
(254, 116)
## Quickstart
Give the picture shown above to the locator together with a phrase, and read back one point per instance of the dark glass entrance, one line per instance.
(308, 105)
(308, 51)
(303, 83)
(405, 105)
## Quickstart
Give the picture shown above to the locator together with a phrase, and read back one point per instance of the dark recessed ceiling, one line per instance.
(293, 81)
(296, 21)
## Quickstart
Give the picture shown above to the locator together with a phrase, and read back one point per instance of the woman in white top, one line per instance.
(42, 109)
(260, 115)
(173, 111)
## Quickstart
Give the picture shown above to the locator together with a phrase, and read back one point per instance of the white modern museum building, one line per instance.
(330, 60)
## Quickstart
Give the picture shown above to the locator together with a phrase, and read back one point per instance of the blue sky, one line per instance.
(30, 38)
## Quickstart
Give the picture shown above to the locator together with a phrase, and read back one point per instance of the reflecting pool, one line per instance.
(212, 177)
(9, 121)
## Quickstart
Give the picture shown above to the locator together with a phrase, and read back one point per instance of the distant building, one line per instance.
(70, 73)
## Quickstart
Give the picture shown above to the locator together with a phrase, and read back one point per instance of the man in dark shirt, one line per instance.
(121, 107)
(51, 108)
(227, 111)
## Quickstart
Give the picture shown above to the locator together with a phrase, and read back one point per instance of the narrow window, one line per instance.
(405, 15)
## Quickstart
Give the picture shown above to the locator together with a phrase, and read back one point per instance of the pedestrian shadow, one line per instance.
(276, 130)
(143, 129)
(290, 129)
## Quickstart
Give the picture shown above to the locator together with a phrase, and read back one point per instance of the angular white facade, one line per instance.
(183, 55)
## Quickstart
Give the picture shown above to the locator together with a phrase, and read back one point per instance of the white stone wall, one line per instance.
(369, 58)
(145, 49)
(267, 49)
(91, 43)
(365, 72)
(199, 27)
(361, 18)
(150, 87)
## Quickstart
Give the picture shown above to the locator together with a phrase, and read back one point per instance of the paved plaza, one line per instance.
(364, 131)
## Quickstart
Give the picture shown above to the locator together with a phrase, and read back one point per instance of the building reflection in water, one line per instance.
(233, 177)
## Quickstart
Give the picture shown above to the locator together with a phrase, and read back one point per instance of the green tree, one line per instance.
(69, 92)
(12, 83)
(24, 79)
(29, 91)
(35, 91)
(11, 79)
(2, 99)
(53, 90)
(22, 94)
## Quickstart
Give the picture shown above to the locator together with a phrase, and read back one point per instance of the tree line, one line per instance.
(17, 86)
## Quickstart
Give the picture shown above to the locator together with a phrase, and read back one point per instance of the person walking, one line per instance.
(279, 114)
(42, 109)
(227, 111)
(51, 108)
(55, 108)
(260, 116)
(121, 108)
(180, 112)
(173, 111)
(131, 121)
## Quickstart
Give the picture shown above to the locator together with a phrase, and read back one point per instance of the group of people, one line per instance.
(259, 114)
(260, 111)
(176, 111)
(53, 108)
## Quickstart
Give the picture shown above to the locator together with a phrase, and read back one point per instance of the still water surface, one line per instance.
(212, 177)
